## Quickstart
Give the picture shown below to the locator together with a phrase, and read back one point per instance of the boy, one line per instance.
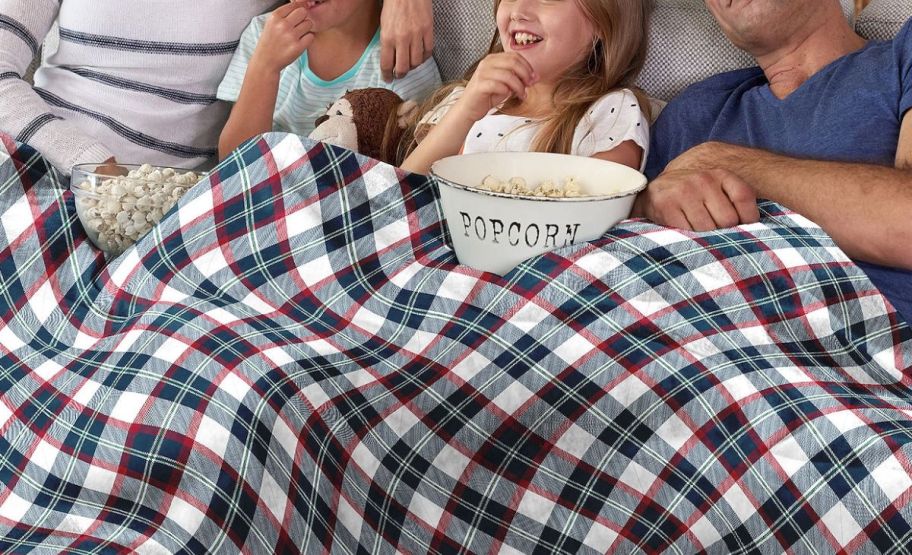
(293, 63)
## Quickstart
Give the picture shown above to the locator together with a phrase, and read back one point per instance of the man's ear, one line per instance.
(406, 112)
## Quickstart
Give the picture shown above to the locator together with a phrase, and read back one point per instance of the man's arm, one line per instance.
(406, 36)
(24, 115)
(867, 209)
(904, 146)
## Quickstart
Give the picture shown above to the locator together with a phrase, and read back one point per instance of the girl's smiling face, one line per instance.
(553, 35)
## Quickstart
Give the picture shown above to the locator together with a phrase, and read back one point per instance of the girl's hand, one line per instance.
(497, 78)
(286, 36)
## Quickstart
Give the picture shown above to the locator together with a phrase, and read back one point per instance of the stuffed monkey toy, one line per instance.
(369, 121)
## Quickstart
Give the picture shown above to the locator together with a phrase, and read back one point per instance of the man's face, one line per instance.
(756, 25)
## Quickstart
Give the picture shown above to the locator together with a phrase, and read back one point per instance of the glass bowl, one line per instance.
(116, 210)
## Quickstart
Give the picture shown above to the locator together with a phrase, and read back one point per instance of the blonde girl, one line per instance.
(558, 78)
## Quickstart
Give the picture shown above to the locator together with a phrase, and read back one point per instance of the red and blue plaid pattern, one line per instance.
(292, 361)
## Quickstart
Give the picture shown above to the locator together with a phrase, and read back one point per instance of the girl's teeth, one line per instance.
(525, 38)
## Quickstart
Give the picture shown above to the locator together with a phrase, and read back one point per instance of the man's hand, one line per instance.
(864, 207)
(698, 200)
(406, 36)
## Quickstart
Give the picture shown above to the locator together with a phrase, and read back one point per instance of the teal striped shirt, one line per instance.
(303, 97)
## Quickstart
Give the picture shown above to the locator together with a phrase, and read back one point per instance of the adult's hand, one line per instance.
(112, 168)
(864, 207)
(406, 36)
(698, 200)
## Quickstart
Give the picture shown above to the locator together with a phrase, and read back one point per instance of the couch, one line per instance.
(293, 361)
(686, 45)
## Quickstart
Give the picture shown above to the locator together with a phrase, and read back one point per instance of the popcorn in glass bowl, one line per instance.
(116, 210)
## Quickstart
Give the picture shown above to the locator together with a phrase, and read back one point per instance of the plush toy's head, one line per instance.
(369, 121)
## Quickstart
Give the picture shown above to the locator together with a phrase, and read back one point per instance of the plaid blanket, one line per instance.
(293, 362)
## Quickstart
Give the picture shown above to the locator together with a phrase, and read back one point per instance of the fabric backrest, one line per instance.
(882, 19)
(686, 44)
(463, 30)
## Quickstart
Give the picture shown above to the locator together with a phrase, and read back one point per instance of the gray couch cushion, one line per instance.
(30, 72)
(463, 31)
(686, 45)
(883, 18)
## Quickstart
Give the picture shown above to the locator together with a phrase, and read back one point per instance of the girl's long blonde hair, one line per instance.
(618, 54)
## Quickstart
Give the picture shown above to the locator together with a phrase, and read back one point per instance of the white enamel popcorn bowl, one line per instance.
(494, 231)
(116, 210)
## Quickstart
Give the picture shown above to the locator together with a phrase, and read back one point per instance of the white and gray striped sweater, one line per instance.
(135, 80)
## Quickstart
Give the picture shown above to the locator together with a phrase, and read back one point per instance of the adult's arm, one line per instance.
(406, 36)
(904, 146)
(23, 114)
(864, 207)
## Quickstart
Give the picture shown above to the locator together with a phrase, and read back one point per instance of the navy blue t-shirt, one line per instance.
(850, 111)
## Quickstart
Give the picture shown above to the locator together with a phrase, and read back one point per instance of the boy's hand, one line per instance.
(497, 78)
(406, 36)
(286, 36)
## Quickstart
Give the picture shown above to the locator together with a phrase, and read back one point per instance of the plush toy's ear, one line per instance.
(406, 113)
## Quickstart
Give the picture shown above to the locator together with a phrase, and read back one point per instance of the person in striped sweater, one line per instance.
(295, 62)
(136, 82)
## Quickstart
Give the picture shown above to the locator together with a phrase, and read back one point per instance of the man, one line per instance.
(137, 81)
(822, 126)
